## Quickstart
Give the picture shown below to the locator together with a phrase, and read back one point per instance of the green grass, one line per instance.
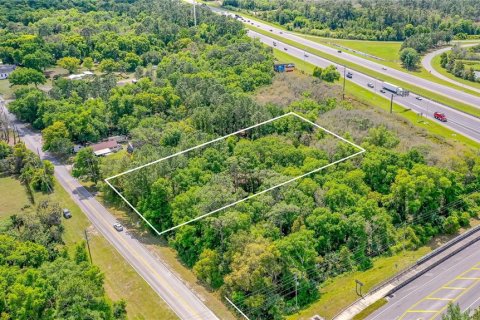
(370, 309)
(381, 77)
(121, 280)
(369, 98)
(436, 65)
(339, 292)
(13, 197)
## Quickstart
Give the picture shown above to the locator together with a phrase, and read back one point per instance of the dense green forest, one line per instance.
(196, 84)
(369, 19)
(462, 62)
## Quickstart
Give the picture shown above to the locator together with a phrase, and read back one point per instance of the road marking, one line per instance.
(85, 201)
(422, 311)
(446, 286)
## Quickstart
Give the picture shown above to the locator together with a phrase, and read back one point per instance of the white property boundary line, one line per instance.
(107, 180)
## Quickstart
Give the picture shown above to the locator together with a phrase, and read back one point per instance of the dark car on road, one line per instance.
(440, 116)
(67, 214)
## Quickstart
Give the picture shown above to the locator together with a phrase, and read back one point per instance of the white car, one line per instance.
(118, 227)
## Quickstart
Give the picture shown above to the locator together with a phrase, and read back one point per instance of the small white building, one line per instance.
(5, 70)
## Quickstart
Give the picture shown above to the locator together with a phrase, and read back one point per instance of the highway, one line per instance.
(169, 287)
(458, 121)
(457, 280)
(374, 66)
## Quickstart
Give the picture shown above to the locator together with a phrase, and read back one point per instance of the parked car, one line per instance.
(370, 85)
(440, 116)
(67, 214)
(118, 227)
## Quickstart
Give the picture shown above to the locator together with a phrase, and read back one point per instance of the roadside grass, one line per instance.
(364, 96)
(13, 197)
(339, 292)
(5, 89)
(121, 280)
(169, 257)
(381, 77)
(436, 65)
(370, 309)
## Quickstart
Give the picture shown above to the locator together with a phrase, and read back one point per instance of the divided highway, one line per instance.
(168, 286)
(458, 121)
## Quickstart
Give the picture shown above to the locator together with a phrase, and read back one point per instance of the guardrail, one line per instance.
(419, 262)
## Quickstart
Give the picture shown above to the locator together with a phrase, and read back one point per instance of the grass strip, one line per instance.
(370, 309)
(381, 77)
(364, 96)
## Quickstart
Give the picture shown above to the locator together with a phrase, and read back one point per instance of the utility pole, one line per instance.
(88, 246)
(296, 291)
(391, 104)
(344, 80)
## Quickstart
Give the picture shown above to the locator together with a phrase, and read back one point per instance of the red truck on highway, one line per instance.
(440, 116)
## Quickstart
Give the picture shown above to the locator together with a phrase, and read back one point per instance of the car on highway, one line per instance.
(349, 75)
(305, 55)
(440, 116)
(382, 91)
(419, 98)
(383, 68)
(274, 44)
(370, 85)
(67, 214)
(285, 49)
(339, 51)
(281, 32)
(118, 227)
(271, 30)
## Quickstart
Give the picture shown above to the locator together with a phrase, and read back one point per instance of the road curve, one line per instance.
(458, 121)
(427, 64)
(437, 88)
(168, 286)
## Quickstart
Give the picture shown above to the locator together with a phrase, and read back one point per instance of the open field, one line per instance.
(436, 65)
(422, 92)
(121, 280)
(369, 98)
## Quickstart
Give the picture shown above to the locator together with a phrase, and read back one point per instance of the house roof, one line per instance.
(104, 145)
(6, 68)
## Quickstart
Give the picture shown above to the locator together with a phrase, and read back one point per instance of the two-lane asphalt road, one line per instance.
(456, 280)
(169, 287)
(460, 122)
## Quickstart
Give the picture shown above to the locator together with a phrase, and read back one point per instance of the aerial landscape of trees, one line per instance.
(197, 83)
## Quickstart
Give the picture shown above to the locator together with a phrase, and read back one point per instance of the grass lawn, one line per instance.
(366, 97)
(436, 65)
(339, 292)
(13, 197)
(370, 309)
(121, 280)
(381, 77)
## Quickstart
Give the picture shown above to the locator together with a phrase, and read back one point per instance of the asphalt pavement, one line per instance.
(168, 286)
(457, 280)
(458, 121)
(444, 90)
